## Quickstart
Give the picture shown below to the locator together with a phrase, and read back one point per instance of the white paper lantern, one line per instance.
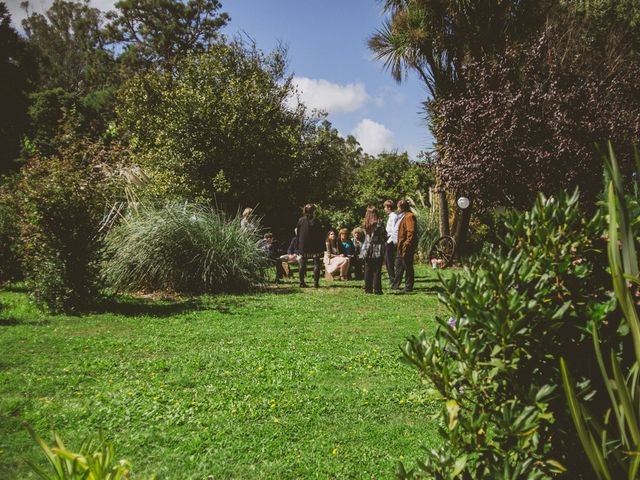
(463, 202)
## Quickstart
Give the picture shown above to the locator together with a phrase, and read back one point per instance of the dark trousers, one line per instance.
(316, 270)
(373, 275)
(279, 269)
(390, 260)
(356, 267)
(404, 266)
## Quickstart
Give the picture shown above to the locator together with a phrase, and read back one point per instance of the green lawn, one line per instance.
(283, 384)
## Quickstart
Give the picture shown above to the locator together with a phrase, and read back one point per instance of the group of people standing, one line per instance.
(392, 243)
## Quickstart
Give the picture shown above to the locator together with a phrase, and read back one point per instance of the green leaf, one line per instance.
(453, 409)
(560, 312)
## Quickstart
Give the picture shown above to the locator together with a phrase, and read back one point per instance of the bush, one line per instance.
(9, 250)
(513, 312)
(62, 202)
(184, 248)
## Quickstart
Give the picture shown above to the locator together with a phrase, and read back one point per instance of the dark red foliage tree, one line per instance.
(535, 118)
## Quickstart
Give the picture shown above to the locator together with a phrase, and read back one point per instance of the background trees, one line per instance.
(158, 34)
(17, 68)
(220, 129)
(72, 46)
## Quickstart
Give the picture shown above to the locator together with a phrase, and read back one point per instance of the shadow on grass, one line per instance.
(426, 280)
(8, 322)
(11, 321)
(284, 288)
(132, 306)
(18, 287)
(348, 284)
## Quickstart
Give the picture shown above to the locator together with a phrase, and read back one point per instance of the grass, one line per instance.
(289, 383)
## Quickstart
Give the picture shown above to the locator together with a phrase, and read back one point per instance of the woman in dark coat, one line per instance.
(310, 244)
(372, 251)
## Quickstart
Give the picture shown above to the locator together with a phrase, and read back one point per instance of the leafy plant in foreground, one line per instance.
(513, 312)
(92, 462)
(612, 441)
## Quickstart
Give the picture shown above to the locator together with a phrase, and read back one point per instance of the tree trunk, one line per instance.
(443, 208)
(462, 229)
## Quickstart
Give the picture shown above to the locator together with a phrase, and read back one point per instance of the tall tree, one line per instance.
(436, 38)
(70, 39)
(17, 67)
(220, 128)
(160, 32)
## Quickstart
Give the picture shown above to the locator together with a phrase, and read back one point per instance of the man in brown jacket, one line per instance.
(407, 241)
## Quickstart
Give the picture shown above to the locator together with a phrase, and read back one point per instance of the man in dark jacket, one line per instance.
(407, 241)
(310, 244)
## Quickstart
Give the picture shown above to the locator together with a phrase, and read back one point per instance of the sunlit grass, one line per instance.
(283, 384)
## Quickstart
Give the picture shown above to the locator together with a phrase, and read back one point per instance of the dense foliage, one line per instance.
(495, 362)
(220, 126)
(531, 121)
(611, 438)
(183, 248)
(62, 201)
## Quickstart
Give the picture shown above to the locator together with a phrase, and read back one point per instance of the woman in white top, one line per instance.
(392, 239)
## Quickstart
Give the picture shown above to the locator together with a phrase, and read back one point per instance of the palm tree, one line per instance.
(436, 38)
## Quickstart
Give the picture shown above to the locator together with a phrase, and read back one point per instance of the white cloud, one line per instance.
(333, 98)
(373, 136)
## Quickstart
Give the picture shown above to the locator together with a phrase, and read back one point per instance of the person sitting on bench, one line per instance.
(333, 259)
(269, 247)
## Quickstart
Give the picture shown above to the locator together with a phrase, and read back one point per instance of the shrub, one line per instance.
(9, 251)
(184, 248)
(513, 312)
(62, 201)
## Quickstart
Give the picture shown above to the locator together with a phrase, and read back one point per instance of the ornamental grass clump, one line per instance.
(183, 248)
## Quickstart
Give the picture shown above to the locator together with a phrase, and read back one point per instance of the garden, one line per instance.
(146, 331)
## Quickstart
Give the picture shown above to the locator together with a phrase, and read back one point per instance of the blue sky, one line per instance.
(328, 54)
(333, 68)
